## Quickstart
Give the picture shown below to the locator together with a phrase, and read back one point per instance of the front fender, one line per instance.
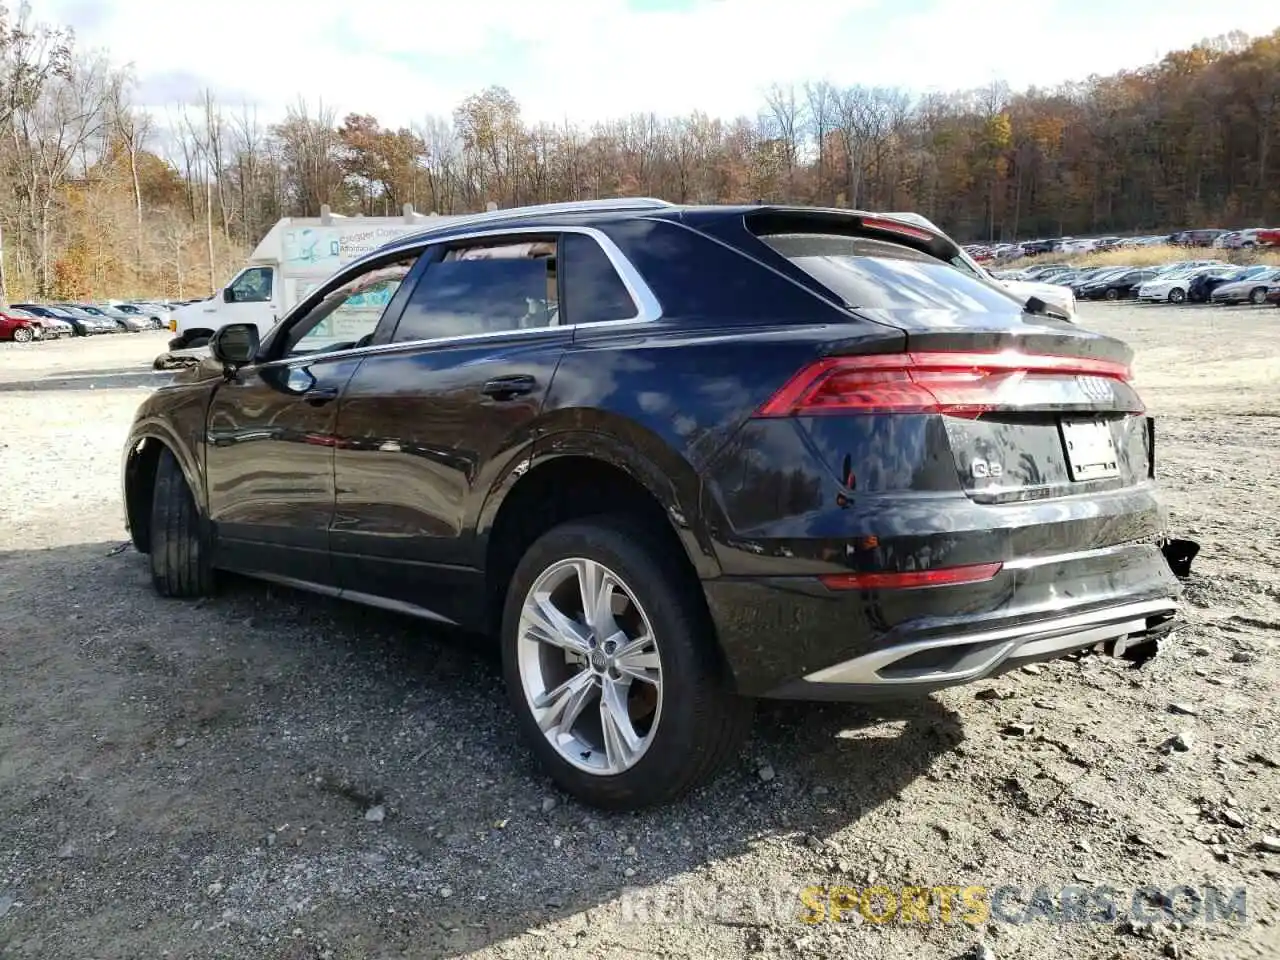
(175, 417)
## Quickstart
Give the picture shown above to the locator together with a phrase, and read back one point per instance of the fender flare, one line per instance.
(159, 432)
(674, 484)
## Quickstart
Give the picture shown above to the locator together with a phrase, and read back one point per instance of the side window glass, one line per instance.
(593, 291)
(348, 316)
(252, 286)
(483, 289)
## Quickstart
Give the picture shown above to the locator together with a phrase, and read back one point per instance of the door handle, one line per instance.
(504, 388)
(319, 396)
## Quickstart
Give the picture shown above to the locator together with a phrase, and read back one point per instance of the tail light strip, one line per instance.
(939, 577)
(957, 384)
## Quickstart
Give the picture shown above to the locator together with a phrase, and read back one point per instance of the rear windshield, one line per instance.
(875, 274)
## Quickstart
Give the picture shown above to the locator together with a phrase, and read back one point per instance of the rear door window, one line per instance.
(483, 289)
(877, 274)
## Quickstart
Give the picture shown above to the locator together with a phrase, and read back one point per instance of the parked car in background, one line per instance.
(117, 318)
(149, 317)
(82, 324)
(20, 326)
(1238, 239)
(1083, 281)
(55, 328)
(1172, 286)
(1196, 238)
(1268, 237)
(1119, 287)
(93, 323)
(1032, 248)
(162, 312)
(559, 426)
(1203, 284)
(1252, 288)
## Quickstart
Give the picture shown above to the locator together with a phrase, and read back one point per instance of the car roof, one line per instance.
(599, 212)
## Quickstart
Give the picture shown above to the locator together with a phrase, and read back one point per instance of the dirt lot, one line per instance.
(272, 774)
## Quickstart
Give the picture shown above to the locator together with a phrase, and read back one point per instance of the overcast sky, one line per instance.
(585, 60)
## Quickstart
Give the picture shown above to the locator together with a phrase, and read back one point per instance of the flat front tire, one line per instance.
(179, 554)
(612, 669)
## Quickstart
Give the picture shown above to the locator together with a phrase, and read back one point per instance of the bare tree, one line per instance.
(48, 127)
(132, 128)
(787, 116)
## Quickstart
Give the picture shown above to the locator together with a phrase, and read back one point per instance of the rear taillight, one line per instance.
(937, 577)
(955, 384)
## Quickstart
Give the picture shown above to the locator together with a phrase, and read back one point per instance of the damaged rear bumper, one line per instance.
(1120, 601)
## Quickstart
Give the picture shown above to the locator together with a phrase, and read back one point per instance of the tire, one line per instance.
(22, 335)
(179, 554)
(1258, 295)
(693, 722)
(1177, 295)
(1112, 293)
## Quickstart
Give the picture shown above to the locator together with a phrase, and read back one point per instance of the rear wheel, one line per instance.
(1258, 295)
(611, 668)
(1112, 293)
(1177, 295)
(179, 554)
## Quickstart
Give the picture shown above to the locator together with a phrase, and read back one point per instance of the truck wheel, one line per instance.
(611, 668)
(179, 554)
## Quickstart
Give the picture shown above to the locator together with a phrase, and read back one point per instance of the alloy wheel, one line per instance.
(589, 666)
(22, 335)
(1258, 296)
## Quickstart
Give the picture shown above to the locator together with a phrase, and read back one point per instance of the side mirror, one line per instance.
(235, 345)
(229, 295)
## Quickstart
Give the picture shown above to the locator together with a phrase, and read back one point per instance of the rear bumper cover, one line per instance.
(792, 638)
(950, 660)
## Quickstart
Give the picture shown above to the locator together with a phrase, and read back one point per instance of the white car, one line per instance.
(1172, 286)
(1057, 297)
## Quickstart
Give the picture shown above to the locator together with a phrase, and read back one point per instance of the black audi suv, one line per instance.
(675, 459)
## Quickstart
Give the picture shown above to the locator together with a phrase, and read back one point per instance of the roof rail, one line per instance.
(608, 205)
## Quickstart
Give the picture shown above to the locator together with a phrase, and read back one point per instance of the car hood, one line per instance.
(1054, 294)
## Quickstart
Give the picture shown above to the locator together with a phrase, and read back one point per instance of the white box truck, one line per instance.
(296, 256)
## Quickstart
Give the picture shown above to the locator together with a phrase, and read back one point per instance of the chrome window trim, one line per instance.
(647, 306)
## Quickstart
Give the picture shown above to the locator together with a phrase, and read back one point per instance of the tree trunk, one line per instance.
(208, 227)
(137, 202)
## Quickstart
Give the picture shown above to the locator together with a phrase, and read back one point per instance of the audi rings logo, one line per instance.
(1095, 388)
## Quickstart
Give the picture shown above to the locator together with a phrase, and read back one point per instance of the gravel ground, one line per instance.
(272, 774)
